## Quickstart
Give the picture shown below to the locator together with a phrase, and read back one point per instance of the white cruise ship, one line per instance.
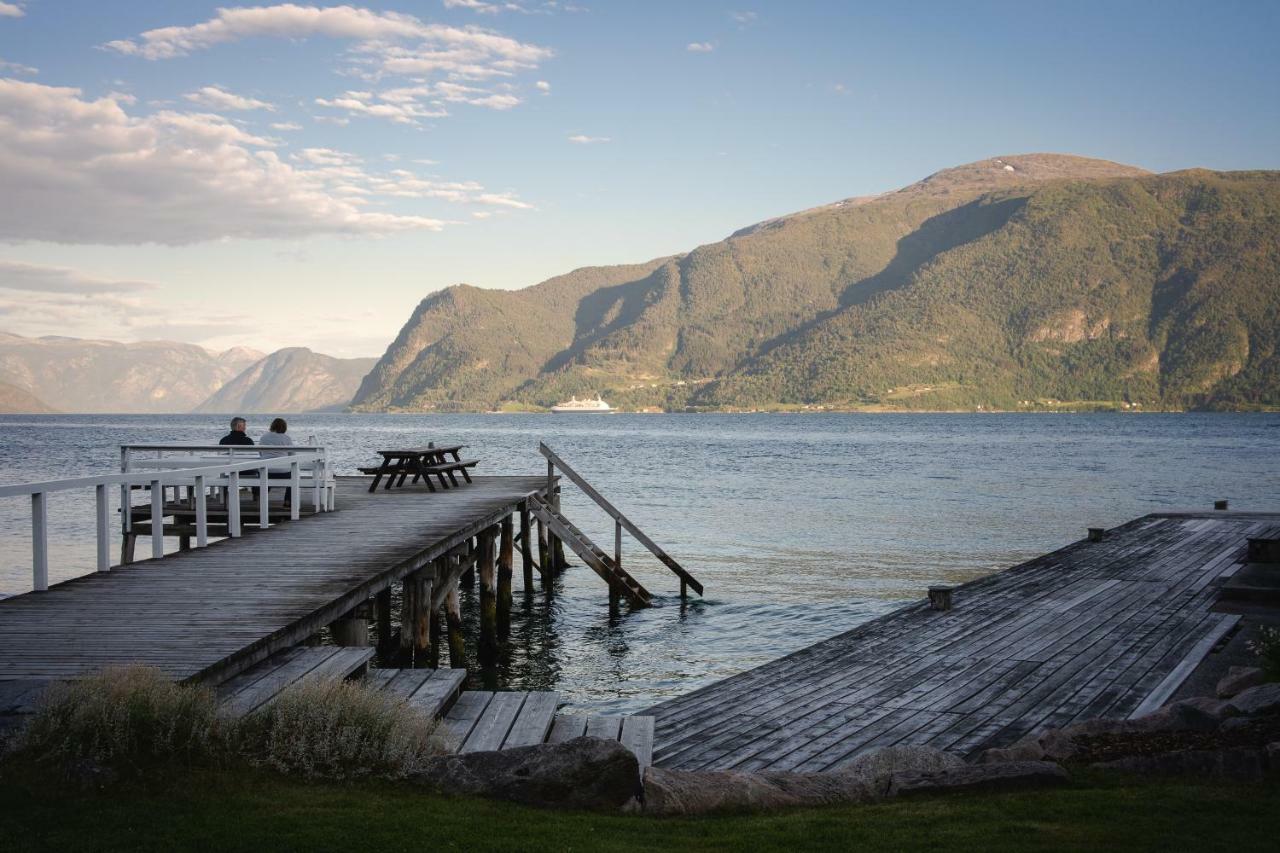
(575, 405)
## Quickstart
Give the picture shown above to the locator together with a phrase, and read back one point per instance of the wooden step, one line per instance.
(262, 684)
(591, 554)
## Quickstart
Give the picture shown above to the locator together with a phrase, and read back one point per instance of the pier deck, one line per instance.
(1096, 629)
(210, 613)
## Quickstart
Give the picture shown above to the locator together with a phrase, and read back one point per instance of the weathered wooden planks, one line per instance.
(211, 613)
(1105, 628)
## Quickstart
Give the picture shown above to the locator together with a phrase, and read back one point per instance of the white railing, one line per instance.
(200, 479)
(316, 473)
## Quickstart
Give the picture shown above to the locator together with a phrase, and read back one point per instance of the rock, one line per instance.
(1198, 714)
(583, 773)
(1241, 765)
(1239, 678)
(1023, 750)
(1017, 775)
(1235, 723)
(876, 766)
(1263, 699)
(693, 792)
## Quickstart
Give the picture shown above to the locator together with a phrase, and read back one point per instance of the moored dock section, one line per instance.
(1106, 627)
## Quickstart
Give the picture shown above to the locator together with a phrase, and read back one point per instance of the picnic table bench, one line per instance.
(422, 463)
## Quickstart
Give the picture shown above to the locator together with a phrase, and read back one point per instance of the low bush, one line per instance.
(131, 719)
(338, 729)
(128, 718)
(1267, 648)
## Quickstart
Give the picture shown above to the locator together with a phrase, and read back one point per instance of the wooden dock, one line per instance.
(208, 614)
(1097, 629)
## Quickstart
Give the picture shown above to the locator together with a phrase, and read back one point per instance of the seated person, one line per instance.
(237, 434)
(277, 436)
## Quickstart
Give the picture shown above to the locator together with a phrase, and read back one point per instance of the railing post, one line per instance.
(317, 483)
(104, 527)
(202, 514)
(264, 517)
(617, 543)
(157, 519)
(40, 541)
(295, 489)
(126, 504)
(233, 504)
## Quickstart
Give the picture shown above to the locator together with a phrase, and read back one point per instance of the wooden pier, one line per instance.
(207, 614)
(1105, 628)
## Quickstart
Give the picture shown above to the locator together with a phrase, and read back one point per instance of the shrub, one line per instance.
(338, 729)
(1267, 648)
(126, 717)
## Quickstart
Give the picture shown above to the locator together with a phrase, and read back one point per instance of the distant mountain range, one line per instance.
(74, 375)
(1016, 283)
(1020, 282)
(291, 380)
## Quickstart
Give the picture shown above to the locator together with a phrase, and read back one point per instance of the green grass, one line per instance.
(230, 811)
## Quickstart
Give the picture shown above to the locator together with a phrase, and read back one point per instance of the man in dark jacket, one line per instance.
(237, 434)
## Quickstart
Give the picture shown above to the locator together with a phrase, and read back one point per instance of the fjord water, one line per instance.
(800, 526)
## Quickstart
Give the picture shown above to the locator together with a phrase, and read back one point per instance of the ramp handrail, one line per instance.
(621, 521)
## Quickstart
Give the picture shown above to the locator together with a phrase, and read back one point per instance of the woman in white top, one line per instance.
(278, 437)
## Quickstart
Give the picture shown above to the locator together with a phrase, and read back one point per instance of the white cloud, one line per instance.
(18, 68)
(580, 139)
(474, 5)
(288, 20)
(408, 104)
(10, 10)
(36, 278)
(80, 171)
(700, 47)
(220, 99)
(543, 86)
(744, 18)
(285, 125)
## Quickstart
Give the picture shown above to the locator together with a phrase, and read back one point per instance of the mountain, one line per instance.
(17, 401)
(290, 380)
(76, 375)
(1018, 282)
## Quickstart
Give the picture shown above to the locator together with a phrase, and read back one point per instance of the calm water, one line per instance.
(799, 526)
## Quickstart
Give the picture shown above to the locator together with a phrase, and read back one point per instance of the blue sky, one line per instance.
(281, 174)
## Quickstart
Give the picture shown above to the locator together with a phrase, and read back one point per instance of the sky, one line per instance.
(303, 175)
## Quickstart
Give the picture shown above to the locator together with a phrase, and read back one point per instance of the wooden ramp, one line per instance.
(209, 614)
(1097, 629)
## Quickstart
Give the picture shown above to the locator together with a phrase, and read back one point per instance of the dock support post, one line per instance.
(557, 546)
(526, 547)
(453, 616)
(487, 569)
(468, 577)
(352, 629)
(506, 558)
(422, 651)
(544, 552)
(382, 618)
(410, 589)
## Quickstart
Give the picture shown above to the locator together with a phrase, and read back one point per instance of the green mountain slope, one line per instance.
(1007, 283)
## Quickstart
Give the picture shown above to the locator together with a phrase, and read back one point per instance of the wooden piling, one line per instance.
(486, 567)
(453, 618)
(423, 653)
(526, 546)
(506, 559)
(352, 629)
(544, 551)
(408, 615)
(382, 618)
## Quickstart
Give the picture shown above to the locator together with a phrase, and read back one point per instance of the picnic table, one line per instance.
(444, 463)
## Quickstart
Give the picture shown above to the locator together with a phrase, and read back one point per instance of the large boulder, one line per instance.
(1241, 765)
(1197, 714)
(877, 765)
(1239, 678)
(692, 792)
(583, 773)
(1027, 749)
(1011, 775)
(1263, 699)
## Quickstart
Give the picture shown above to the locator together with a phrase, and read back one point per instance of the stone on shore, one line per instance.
(879, 764)
(694, 792)
(583, 773)
(1010, 775)
(1238, 765)
(1263, 699)
(1239, 678)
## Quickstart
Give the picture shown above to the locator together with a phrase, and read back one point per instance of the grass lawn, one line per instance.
(226, 811)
